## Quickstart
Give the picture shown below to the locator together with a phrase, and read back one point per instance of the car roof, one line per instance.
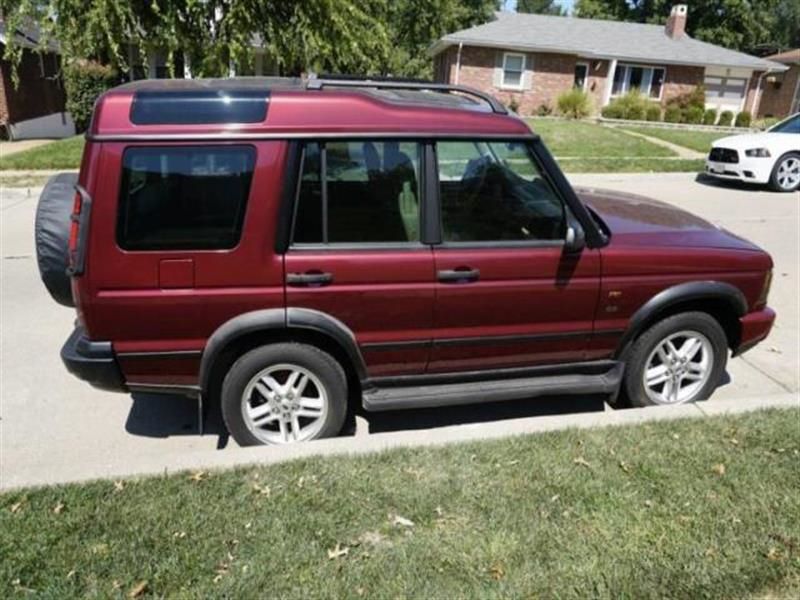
(253, 107)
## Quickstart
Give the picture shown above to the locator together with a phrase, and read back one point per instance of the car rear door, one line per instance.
(507, 292)
(356, 252)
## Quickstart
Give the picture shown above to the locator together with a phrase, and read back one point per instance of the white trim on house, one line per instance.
(588, 66)
(612, 71)
(508, 86)
(626, 82)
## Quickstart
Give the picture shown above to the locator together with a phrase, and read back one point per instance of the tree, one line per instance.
(737, 24)
(541, 7)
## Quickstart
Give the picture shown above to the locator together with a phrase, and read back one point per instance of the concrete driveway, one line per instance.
(54, 428)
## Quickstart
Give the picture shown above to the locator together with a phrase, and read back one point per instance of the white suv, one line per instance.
(771, 156)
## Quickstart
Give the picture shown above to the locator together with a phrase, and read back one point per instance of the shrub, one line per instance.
(653, 113)
(612, 111)
(696, 97)
(765, 122)
(544, 110)
(84, 81)
(636, 112)
(743, 119)
(631, 106)
(574, 104)
(694, 115)
(673, 114)
(513, 105)
(725, 118)
(710, 116)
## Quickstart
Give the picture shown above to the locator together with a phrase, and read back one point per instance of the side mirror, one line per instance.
(575, 240)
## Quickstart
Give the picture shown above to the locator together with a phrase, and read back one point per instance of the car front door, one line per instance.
(356, 254)
(508, 293)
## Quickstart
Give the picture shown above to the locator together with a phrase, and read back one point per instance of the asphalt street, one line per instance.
(54, 428)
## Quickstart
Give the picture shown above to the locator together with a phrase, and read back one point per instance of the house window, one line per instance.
(648, 80)
(581, 75)
(513, 69)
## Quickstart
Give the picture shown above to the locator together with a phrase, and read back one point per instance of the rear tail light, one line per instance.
(74, 227)
(79, 227)
(762, 298)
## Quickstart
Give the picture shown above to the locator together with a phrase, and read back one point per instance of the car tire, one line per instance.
(778, 180)
(676, 361)
(283, 393)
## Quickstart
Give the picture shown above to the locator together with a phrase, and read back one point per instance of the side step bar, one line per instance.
(493, 390)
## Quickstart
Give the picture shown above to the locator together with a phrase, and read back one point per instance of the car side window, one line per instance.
(495, 191)
(183, 197)
(365, 191)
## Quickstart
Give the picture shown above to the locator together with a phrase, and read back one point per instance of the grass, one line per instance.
(61, 154)
(627, 165)
(699, 141)
(580, 139)
(685, 509)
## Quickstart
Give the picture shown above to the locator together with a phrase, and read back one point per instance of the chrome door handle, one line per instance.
(309, 279)
(459, 275)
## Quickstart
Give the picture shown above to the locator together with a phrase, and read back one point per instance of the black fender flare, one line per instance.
(276, 319)
(683, 292)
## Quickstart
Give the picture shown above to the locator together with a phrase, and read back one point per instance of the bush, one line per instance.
(574, 104)
(673, 114)
(697, 97)
(710, 116)
(636, 112)
(612, 111)
(544, 110)
(653, 113)
(725, 118)
(765, 122)
(84, 81)
(743, 119)
(694, 115)
(513, 105)
(631, 106)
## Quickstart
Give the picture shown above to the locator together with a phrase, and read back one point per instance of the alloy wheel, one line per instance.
(678, 368)
(284, 403)
(788, 175)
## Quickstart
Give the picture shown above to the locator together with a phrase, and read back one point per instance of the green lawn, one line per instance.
(625, 165)
(695, 140)
(582, 139)
(688, 509)
(62, 154)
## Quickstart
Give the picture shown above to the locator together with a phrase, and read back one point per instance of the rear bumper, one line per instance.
(92, 361)
(755, 326)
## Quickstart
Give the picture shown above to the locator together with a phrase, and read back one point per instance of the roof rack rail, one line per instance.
(314, 83)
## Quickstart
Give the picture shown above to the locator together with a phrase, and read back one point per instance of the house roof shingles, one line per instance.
(595, 38)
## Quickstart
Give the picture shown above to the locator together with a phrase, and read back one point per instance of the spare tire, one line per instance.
(52, 235)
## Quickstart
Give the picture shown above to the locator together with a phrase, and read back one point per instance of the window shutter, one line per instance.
(498, 69)
(527, 81)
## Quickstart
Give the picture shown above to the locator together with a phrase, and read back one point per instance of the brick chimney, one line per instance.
(676, 22)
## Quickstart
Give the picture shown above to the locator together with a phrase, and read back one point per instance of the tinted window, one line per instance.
(370, 193)
(494, 191)
(790, 126)
(183, 197)
(191, 107)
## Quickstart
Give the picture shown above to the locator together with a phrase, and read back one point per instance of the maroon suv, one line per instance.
(284, 247)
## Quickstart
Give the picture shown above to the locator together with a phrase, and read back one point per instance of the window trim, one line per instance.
(581, 63)
(626, 82)
(509, 86)
(206, 146)
(325, 245)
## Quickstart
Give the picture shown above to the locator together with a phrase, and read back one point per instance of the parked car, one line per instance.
(284, 248)
(770, 157)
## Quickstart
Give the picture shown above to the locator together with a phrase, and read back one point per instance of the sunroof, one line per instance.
(194, 107)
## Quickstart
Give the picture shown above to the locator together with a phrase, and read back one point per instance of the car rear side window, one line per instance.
(370, 193)
(184, 197)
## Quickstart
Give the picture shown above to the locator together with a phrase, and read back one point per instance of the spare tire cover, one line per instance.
(52, 235)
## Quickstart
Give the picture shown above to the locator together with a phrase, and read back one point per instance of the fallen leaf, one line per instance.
(648, 503)
(497, 571)
(58, 508)
(774, 554)
(360, 591)
(675, 436)
(15, 507)
(711, 552)
(198, 476)
(137, 590)
(179, 534)
(582, 462)
(774, 350)
(119, 486)
(416, 473)
(115, 585)
(71, 574)
(438, 510)
(555, 498)
(263, 490)
(338, 551)
(719, 469)
(624, 466)
(398, 520)
(511, 463)
(734, 441)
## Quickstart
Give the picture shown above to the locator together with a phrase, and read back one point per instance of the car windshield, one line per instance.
(788, 126)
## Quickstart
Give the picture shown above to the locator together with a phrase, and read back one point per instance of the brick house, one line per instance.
(529, 60)
(781, 95)
(35, 107)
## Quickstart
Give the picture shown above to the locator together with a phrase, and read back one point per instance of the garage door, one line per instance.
(725, 93)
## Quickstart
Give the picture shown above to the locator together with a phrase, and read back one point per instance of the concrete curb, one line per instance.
(164, 463)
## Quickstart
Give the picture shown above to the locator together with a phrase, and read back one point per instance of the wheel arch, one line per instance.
(250, 330)
(723, 301)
